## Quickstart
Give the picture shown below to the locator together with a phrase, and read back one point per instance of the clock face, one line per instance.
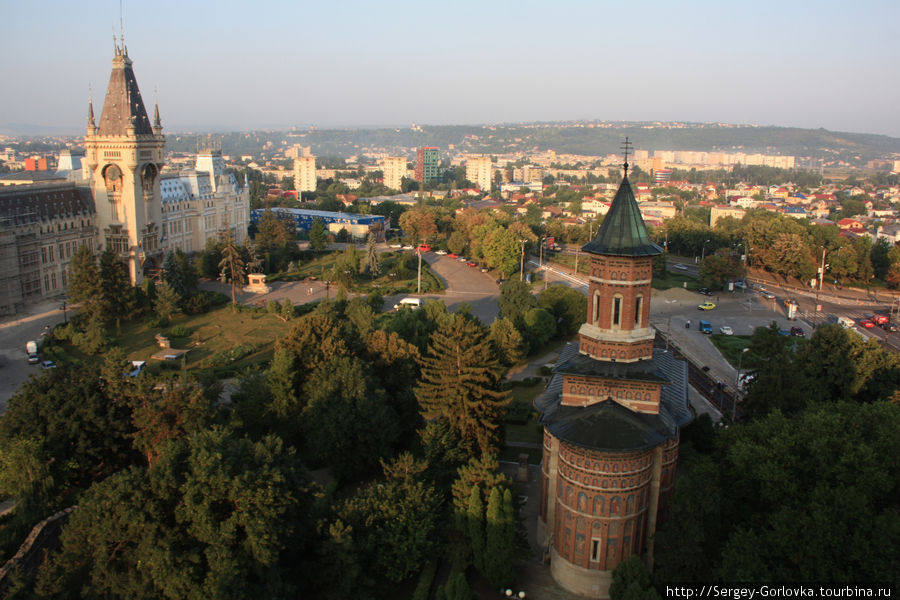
(113, 173)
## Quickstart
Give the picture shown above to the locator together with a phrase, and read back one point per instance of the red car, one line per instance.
(866, 323)
(470, 264)
(453, 255)
(424, 248)
(879, 319)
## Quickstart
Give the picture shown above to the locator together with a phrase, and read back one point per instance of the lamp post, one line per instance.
(819, 288)
(703, 252)
(65, 313)
(419, 276)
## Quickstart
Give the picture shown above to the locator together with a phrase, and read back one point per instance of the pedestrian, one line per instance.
(309, 292)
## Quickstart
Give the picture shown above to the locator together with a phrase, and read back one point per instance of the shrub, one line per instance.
(180, 331)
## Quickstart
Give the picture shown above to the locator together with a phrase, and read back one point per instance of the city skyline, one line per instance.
(217, 67)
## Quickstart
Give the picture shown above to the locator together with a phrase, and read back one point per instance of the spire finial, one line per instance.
(92, 126)
(626, 146)
(157, 123)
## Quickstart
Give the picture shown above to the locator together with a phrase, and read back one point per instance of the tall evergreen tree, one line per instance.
(84, 279)
(460, 381)
(232, 267)
(372, 263)
(166, 303)
(318, 235)
(475, 528)
(115, 286)
(499, 541)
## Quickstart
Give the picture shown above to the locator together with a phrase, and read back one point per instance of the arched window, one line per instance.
(638, 303)
(596, 312)
(617, 311)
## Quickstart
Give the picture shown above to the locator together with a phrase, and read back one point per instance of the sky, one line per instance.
(229, 65)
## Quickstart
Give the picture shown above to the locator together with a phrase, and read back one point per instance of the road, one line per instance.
(14, 333)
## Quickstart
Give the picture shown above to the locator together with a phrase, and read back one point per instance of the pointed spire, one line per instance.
(623, 232)
(91, 125)
(157, 122)
(123, 109)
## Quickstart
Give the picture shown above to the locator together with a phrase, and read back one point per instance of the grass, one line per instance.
(731, 346)
(675, 280)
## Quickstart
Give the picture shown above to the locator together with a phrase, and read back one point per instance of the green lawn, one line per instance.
(731, 347)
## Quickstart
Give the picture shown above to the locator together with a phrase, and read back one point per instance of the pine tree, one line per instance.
(115, 287)
(287, 309)
(84, 279)
(318, 235)
(475, 527)
(232, 267)
(460, 381)
(167, 300)
(498, 543)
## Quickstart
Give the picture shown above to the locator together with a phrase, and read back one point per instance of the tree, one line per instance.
(232, 267)
(460, 381)
(539, 327)
(775, 381)
(475, 527)
(84, 279)
(216, 517)
(456, 588)
(631, 581)
(372, 263)
(507, 342)
(395, 521)
(501, 250)
(116, 294)
(318, 235)
(166, 304)
(348, 423)
(567, 305)
(499, 539)
(515, 300)
(418, 224)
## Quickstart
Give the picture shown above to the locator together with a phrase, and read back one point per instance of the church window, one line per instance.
(596, 312)
(617, 311)
(595, 549)
(637, 309)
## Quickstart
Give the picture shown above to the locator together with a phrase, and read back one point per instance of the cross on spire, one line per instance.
(626, 147)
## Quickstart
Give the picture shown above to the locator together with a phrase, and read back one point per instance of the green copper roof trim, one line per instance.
(623, 232)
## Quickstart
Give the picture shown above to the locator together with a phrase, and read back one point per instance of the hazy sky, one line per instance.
(236, 64)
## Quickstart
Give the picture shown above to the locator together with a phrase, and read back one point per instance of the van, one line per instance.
(846, 322)
(705, 327)
(31, 349)
(411, 303)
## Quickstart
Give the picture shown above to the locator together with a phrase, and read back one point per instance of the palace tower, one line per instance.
(124, 154)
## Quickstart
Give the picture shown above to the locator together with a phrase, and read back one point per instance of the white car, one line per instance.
(440, 252)
(396, 245)
(726, 330)
(407, 247)
(681, 267)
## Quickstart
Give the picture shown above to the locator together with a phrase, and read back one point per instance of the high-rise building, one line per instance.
(394, 169)
(479, 170)
(612, 414)
(305, 174)
(428, 165)
(124, 155)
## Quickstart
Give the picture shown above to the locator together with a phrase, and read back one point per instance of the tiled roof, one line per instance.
(623, 232)
(28, 204)
(123, 105)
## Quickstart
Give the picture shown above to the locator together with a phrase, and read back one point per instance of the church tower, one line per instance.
(124, 155)
(612, 413)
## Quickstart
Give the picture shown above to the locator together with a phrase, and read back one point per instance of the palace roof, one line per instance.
(123, 106)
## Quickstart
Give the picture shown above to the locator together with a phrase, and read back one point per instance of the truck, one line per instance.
(32, 351)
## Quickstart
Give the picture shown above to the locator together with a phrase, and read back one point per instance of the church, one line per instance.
(121, 197)
(611, 415)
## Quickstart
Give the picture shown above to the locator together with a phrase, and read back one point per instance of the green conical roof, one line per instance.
(623, 232)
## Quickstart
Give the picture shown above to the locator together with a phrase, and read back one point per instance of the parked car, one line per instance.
(767, 294)
(726, 330)
(707, 306)
(739, 284)
(680, 267)
(866, 323)
(888, 326)
(797, 331)
(440, 252)
(424, 248)
(484, 269)
(48, 364)
(705, 291)
(411, 303)
(396, 246)
(470, 264)
(453, 255)
(407, 247)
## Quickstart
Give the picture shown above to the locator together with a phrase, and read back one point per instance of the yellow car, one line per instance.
(707, 306)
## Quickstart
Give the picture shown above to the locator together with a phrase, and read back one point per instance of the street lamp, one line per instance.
(703, 252)
(522, 263)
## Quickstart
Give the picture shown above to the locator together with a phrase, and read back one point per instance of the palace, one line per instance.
(123, 199)
(612, 414)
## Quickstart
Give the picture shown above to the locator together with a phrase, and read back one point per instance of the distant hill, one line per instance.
(574, 138)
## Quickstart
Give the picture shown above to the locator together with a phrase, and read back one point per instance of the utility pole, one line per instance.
(522, 263)
(419, 278)
(819, 288)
